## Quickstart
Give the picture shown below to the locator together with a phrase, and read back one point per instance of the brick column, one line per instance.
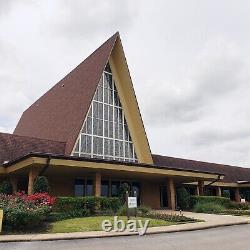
(97, 184)
(237, 195)
(13, 181)
(33, 173)
(171, 193)
(201, 187)
(218, 191)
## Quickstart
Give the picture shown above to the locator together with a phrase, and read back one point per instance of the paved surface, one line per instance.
(210, 221)
(228, 238)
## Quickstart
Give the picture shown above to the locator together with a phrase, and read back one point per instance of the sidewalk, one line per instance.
(210, 221)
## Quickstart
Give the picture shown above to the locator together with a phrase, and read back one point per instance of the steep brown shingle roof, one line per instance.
(59, 114)
(232, 173)
(15, 146)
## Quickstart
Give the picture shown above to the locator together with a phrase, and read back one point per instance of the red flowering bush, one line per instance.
(39, 199)
(22, 211)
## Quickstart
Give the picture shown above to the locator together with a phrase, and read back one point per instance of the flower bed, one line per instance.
(22, 211)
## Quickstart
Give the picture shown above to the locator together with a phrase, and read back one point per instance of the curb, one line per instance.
(100, 234)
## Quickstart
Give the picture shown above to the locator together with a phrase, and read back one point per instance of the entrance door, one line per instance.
(163, 196)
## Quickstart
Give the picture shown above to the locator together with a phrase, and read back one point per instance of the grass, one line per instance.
(87, 224)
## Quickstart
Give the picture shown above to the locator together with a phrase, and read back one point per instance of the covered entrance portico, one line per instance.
(70, 176)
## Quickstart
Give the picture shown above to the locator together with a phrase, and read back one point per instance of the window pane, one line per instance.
(106, 114)
(106, 147)
(95, 109)
(90, 112)
(89, 125)
(106, 95)
(77, 146)
(110, 113)
(116, 130)
(100, 110)
(117, 146)
(111, 97)
(95, 126)
(95, 145)
(106, 128)
(100, 94)
(89, 188)
(115, 188)
(83, 143)
(121, 149)
(110, 129)
(89, 144)
(120, 131)
(105, 188)
(100, 146)
(79, 187)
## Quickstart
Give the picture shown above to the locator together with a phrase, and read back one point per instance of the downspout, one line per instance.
(46, 166)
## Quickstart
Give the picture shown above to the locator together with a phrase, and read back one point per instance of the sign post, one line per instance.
(127, 206)
(1, 220)
(135, 195)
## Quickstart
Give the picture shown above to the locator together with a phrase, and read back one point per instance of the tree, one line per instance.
(5, 187)
(41, 185)
(183, 198)
(124, 188)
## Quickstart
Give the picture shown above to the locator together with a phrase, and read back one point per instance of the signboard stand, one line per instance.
(127, 206)
(1, 220)
(131, 203)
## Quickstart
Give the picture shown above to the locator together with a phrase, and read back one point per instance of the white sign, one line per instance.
(132, 202)
(243, 200)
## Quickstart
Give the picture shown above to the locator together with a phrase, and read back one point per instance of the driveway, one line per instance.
(229, 238)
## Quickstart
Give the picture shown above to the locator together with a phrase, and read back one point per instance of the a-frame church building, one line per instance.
(87, 136)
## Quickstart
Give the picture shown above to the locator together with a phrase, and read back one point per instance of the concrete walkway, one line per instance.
(210, 221)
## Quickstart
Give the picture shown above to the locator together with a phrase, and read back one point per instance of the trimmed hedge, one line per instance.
(89, 203)
(208, 207)
(223, 201)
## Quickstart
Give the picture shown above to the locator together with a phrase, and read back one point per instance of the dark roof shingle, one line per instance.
(232, 173)
(14, 146)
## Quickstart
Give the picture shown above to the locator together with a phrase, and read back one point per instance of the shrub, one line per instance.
(22, 211)
(237, 212)
(170, 217)
(94, 205)
(183, 198)
(144, 210)
(41, 185)
(242, 206)
(5, 187)
(208, 207)
(225, 202)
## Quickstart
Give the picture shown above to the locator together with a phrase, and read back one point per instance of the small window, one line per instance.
(89, 188)
(79, 187)
(105, 188)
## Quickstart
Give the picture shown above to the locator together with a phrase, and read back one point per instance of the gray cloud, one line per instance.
(83, 19)
(218, 71)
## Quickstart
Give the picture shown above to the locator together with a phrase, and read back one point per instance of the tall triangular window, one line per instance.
(105, 133)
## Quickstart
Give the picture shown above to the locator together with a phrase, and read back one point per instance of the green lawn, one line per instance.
(87, 224)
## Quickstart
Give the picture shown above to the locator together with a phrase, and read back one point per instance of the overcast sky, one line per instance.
(189, 61)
